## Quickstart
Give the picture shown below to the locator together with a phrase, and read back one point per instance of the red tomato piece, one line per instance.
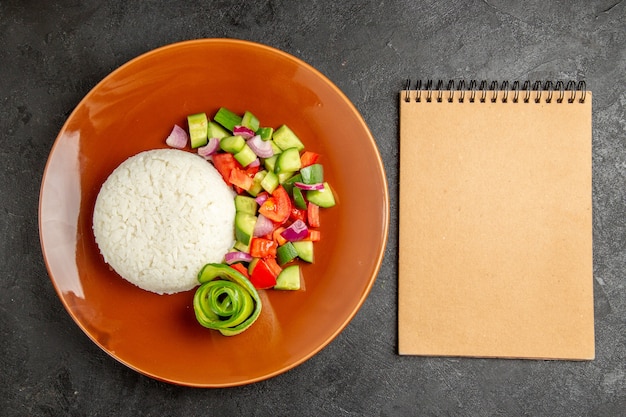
(314, 235)
(273, 266)
(277, 207)
(263, 248)
(239, 177)
(262, 277)
(313, 215)
(225, 163)
(297, 214)
(241, 268)
(308, 158)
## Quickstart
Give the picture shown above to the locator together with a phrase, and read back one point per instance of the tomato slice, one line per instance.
(313, 215)
(240, 178)
(240, 268)
(262, 276)
(262, 248)
(225, 163)
(308, 158)
(277, 207)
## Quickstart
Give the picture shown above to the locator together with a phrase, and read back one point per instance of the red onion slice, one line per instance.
(210, 148)
(177, 138)
(260, 199)
(263, 226)
(243, 131)
(296, 231)
(261, 148)
(233, 257)
(309, 187)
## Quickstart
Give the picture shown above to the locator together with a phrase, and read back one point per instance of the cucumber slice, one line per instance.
(304, 249)
(241, 247)
(270, 182)
(216, 131)
(313, 174)
(244, 227)
(250, 121)
(232, 144)
(275, 148)
(288, 183)
(284, 138)
(227, 118)
(288, 161)
(298, 198)
(198, 124)
(284, 176)
(323, 198)
(270, 163)
(245, 204)
(256, 183)
(289, 278)
(286, 253)
(245, 156)
(265, 132)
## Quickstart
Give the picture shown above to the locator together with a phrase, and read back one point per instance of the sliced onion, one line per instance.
(210, 148)
(233, 257)
(296, 231)
(243, 131)
(262, 148)
(177, 138)
(263, 226)
(309, 187)
(260, 199)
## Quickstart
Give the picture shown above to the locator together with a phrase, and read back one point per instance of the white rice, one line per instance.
(161, 216)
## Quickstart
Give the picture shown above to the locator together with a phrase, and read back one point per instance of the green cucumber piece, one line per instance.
(284, 176)
(304, 249)
(270, 163)
(286, 253)
(323, 198)
(245, 156)
(298, 198)
(289, 278)
(198, 124)
(241, 247)
(270, 182)
(275, 148)
(250, 121)
(256, 187)
(312, 174)
(245, 204)
(214, 130)
(227, 118)
(232, 144)
(265, 132)
(244, 227)
(288, 183)
(285, 138)
(288, 161)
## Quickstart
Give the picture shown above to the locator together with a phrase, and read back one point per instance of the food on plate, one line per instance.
(226, 301)
(160, 216)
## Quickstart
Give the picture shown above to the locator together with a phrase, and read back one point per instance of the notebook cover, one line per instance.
(495, 229)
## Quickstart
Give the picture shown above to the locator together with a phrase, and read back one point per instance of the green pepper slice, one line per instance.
(226, 300)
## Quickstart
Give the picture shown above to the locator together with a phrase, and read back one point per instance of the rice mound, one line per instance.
(161, 216)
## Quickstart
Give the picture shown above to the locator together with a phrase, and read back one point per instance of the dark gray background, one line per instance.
(53, 53)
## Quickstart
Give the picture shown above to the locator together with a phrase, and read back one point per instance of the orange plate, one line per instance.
(133, 109)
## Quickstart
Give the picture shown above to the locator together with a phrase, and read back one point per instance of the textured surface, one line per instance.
(53, 53)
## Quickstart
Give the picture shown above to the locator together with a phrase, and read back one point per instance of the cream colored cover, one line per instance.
(495, 238)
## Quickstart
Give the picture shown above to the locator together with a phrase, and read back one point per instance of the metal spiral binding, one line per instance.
(536, 91)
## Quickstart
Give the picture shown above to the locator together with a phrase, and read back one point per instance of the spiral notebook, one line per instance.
(495, 220)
